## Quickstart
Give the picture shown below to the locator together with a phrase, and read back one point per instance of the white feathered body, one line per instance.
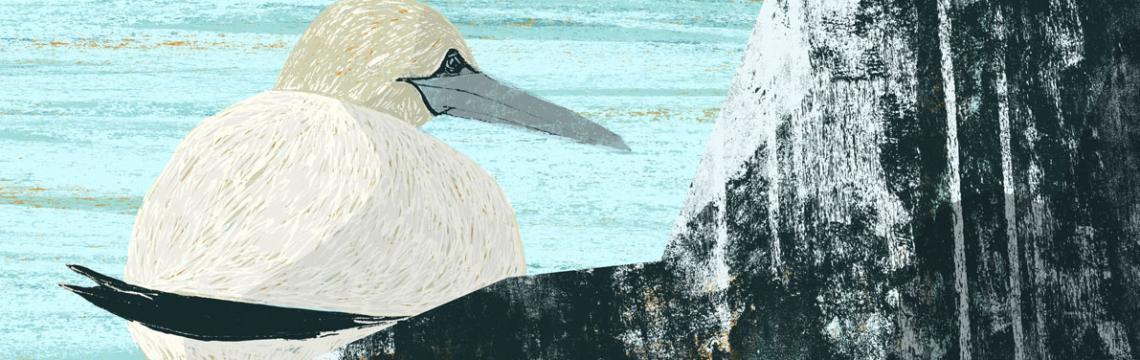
(300, 200)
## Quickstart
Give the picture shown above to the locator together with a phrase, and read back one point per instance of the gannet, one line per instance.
(308, 216)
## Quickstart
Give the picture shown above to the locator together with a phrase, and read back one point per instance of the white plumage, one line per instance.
(301, 200)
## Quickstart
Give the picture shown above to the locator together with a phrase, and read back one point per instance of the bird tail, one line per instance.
(213, 319)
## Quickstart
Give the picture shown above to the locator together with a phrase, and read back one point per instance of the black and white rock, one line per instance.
(887, 180)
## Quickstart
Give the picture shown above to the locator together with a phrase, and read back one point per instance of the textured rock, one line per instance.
(887, 179)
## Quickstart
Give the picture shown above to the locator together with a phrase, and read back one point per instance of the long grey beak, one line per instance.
(470, 94)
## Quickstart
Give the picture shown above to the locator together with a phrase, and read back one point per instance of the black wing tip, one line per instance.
(96, 295)
(88, 273)
(107, 281)
(75, 288)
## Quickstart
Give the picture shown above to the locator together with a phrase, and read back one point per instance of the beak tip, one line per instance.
(614, 141)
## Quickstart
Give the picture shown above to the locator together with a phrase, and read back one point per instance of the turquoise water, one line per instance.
(95, 95)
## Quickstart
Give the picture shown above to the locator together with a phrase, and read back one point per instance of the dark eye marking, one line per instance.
(452, 65)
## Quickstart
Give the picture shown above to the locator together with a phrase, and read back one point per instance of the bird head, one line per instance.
(407, 60)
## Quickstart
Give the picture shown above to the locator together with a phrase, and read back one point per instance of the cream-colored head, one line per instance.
(355, 51)
(404, 59)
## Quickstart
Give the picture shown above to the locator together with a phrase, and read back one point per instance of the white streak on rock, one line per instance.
(773, 79)
(961, 283)
(1002, 90)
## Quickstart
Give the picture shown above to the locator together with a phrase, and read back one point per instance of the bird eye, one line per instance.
(453, 64)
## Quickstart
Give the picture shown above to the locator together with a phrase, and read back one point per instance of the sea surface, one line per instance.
(95, 96)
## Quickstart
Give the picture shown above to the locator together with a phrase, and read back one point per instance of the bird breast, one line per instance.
(300, 200)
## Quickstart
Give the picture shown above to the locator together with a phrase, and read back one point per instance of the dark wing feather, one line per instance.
(212, 319)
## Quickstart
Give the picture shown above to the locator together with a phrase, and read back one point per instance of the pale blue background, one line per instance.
(95, 95)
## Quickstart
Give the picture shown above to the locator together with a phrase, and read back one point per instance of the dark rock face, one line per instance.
(888, 180)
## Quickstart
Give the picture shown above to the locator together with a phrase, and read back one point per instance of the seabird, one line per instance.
(309, 216)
